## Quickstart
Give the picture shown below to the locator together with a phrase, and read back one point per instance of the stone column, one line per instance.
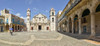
(67, 25)
(92, 25)
(72, 26)
(14, 28)
(80, 26)
(17, 28)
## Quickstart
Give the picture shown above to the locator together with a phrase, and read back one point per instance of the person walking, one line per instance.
(11, 31)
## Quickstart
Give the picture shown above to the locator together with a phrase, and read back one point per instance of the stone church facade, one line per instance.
(40, 22)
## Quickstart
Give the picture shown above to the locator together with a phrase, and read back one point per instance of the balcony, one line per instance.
(72, 6)
(1, 21)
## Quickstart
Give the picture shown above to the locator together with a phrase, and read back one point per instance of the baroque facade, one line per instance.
(81, 17)
(8, 20)
(40, 22)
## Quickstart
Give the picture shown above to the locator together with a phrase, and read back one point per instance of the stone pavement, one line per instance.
(40, 39)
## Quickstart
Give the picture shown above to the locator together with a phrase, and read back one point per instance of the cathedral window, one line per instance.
(52, 13)
(39, 19)
(52, 19)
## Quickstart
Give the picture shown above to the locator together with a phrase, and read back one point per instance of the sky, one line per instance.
(19, 7)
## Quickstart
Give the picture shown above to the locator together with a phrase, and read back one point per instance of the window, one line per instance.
(47, 28)
(7, 21)
(1, 21)
(52, 13)
(52, 19)
(84, 20)
(39, 19)
(13, 20)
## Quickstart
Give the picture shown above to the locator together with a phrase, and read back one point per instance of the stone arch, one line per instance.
(98, 8)
(76, 26)
(86, 21)
(64, 25)
(85, 12)
(94, 7)
(70, 25)
(97, 19)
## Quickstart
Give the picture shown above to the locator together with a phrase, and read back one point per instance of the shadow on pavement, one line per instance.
(82, 36)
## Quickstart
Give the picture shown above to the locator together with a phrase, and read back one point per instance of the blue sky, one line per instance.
(19, 7)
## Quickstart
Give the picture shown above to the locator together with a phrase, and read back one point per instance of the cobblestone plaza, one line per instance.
(77, 24)
(41, 39)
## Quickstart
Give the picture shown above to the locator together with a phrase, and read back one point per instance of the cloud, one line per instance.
(35, 9)
(46, 11)
(23, 18)
(29, 1)
(11, 10)
(0, 12)
(18, 14)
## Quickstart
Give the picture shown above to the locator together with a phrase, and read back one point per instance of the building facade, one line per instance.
(2, 27)
(81, 17)
(40, 22)
(57, 17)
(11, 21)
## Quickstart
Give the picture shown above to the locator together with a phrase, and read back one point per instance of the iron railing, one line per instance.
(72, 6)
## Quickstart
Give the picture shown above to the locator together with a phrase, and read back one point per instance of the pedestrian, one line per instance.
(11, 31)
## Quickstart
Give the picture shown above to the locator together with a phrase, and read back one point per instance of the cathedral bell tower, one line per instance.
(28, 19)
(52, 20)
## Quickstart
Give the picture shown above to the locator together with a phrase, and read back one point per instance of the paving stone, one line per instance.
(22, 37)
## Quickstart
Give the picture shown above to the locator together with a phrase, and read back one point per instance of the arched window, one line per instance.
(1, 21)
(85, 13)
(98, 8)
(7, 21)
(52, 13)
(76, 17)
(13, 20)
(52, 19)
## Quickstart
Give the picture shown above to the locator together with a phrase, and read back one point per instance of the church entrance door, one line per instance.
(39, 27)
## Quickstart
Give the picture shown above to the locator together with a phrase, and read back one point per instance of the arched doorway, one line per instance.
(31, 28)
(13, 28)
(97, 20)
(18, 28)
(47, 28)
(70, 25)
(7, 27)
(66, 26)
(86, 22)
(39, 27)
(76, 24)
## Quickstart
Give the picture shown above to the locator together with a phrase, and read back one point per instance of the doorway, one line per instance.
(1, 28)
(47, 28)
(39, 27)
(84, 29)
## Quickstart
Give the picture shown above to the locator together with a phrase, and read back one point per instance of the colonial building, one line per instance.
(81, 16)
(2, 27)
(8, 20)
(40, 22)
(57, 17)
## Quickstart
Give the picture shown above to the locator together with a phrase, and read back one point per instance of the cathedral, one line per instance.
(40, 22)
